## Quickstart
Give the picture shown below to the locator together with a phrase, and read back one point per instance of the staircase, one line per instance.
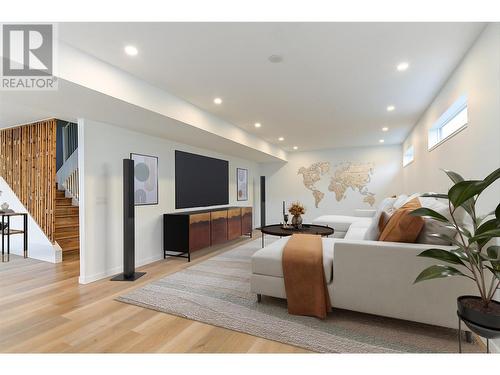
(67, 232)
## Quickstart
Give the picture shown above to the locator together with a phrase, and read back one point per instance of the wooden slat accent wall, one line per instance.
(28, 165)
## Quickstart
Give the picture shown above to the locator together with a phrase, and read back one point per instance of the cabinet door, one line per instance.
(246, 220)
(199, 231)
(233, 223)
(219, 227)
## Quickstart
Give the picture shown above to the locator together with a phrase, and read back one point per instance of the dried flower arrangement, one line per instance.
(297, 209)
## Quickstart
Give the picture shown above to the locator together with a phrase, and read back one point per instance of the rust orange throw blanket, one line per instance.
(305, 284)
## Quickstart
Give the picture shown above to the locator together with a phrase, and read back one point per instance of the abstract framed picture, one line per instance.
(145, 179)
(242, 184)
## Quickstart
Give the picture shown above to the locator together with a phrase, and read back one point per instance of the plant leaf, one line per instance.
(493, 252)
(454, 176)
(461, 254)
(489, 234)
(437, 272)
(462, 191)
(489, 225)
(427, 212)
(492, 177)
(494, 272)
(443, 255)
(481, 218)
(497, 212)
(494, 258)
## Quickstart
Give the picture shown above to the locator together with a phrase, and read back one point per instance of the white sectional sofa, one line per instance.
(369, 276)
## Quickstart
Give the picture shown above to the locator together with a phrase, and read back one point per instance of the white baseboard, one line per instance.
(116, 270)
(50, 253)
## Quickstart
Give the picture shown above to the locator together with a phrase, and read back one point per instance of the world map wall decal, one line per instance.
(353, 175)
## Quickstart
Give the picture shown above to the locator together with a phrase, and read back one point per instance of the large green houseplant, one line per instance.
(480, 260)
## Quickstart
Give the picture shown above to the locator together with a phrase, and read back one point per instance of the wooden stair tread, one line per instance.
(66, 236)
(66, 225)
(76, 214)
(71, 248)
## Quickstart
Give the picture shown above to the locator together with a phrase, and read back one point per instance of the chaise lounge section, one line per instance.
(374, 277)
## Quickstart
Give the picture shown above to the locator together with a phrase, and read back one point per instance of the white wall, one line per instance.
(39, 246)
(475, 151)
(102, 147)
(284, 184)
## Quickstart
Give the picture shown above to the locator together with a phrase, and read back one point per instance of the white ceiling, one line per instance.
(331, 90)
(21, 107)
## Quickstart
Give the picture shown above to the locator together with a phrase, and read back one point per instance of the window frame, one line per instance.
(405, 152)
(434, 136)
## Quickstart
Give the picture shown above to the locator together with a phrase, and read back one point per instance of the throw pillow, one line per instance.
(432, 226)
(402, 227)
(400, 200)
(373, 231)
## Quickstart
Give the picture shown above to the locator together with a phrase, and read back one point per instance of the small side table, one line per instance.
(487, 333)
(7, 231)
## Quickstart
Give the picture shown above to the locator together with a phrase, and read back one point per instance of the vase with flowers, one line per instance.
(296, 209)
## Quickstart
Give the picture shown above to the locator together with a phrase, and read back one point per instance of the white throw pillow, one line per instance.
(400, 201)
(432, 226)
(386, 206)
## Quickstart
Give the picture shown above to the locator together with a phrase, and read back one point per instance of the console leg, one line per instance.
(259, 298)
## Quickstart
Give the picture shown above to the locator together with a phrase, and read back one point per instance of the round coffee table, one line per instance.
(278, 230)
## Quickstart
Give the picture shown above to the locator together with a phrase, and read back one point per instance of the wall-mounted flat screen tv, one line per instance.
(200, 181)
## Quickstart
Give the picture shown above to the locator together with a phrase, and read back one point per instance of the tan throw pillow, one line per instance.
(402, 227)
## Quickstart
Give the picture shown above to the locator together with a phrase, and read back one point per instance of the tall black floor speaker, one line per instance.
(129, 273)
(262, 201)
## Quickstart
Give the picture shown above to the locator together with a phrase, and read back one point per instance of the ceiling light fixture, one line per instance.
(390, 108)
(381, 140)
(218, 101)
(131, 50)
(385, 128)
(281, 139)
(402, 66)
(275, 59)
(257, 125)
(295, 148)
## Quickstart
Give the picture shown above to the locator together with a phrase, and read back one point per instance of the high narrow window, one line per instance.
(408, 156)
(452, 121)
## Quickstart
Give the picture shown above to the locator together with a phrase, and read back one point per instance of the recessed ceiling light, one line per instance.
(385, 128)
(381, 140)
(218, 101)
(390, 108)
(281, 139)
(275, 59)
(131, 50)
(257, 125)
(295, 148)
(402, 66)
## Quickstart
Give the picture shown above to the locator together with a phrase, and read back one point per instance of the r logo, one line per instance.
(27, 50)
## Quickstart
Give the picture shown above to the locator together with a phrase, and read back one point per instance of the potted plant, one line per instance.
(480, 260)
(297, 209)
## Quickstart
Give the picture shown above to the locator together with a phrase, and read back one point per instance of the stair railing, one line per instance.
(68, 176)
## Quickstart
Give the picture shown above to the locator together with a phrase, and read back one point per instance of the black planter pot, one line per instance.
(480, 322)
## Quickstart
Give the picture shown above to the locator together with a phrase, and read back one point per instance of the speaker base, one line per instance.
(133, 277)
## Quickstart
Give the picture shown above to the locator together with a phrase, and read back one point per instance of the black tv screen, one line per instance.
(200, 181)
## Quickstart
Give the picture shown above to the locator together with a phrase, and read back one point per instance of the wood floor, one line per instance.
(44, 309)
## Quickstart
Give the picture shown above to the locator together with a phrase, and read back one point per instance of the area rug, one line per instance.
(217, 291)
